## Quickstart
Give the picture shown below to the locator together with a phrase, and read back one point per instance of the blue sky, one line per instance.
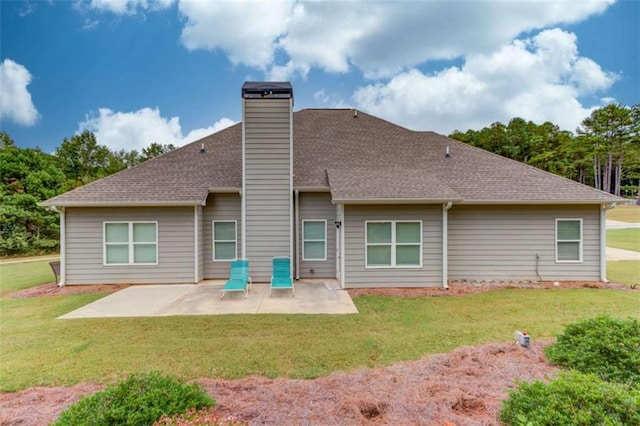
(170, 71)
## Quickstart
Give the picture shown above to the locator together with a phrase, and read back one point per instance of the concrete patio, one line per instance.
(311, 297)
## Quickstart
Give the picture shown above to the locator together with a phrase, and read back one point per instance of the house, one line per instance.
(345, 194)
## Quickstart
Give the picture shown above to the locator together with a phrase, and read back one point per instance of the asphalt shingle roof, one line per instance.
(358, 156)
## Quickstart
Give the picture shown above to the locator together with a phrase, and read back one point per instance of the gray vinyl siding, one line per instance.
(501, 243)
(318, 206)
(219, 207)
(84, 254)
(267, 183)
(357, 275)
(200, 253)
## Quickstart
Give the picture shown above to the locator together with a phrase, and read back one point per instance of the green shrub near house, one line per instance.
(608, 347)
(572, 399)
(141, 399)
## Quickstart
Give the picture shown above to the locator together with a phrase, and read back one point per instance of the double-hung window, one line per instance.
(568, 240)
(225, 246)
(314, 240)
(130, 243)
(393, 244)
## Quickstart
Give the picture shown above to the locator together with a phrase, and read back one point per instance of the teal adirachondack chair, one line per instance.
(281, 278)
(239, 279)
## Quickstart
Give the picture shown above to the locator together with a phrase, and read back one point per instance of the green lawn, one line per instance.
(37, 349)
(628, 239)
(624, 271)
(630, 213)
(18, 276)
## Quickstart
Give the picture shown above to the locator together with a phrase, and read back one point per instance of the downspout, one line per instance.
(603, 240)
(343, 225)
(196, 252)
(445, 244)
(63, 245)
(296, 207)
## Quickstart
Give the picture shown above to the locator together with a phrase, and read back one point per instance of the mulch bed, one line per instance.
(463, 387)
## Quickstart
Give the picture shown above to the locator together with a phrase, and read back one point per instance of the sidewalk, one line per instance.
(621, 254)
(12, 260)
(614, 224)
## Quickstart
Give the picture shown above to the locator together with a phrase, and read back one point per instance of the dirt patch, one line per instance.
(463, 387)
(51, 289)
(461, 288)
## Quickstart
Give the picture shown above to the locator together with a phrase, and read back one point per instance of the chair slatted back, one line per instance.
(281, 267)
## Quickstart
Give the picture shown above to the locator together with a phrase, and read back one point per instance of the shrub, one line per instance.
(572, 399)
(139, 400)
(604, 346)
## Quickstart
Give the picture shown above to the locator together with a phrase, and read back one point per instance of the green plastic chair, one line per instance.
(239, 279)
(281, 278)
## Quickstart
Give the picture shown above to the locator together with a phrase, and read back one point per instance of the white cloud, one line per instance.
(245, 30)
(538, 79)
(137, 129)
(124, 7)
(15, 100)
(379, 38)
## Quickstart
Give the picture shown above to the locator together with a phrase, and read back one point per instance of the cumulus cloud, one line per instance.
(246, 31)
(538, 79)
(137, 129)
(378, 38)
(15, 100)
(124, 7)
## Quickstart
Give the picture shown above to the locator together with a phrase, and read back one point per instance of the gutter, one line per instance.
(130, 204)
(603, 240)
(445, 244)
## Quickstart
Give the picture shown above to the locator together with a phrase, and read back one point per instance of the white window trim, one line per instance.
(393, 245)
(580, 241)
(130, 243)
(214, 241)
(304, 240)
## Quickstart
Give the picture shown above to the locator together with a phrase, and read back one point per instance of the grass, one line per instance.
(624, 271)
(625, 214)
(37, 349)
(628, 239)
(18, 276)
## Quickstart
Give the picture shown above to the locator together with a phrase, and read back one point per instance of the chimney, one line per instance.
(267, 175)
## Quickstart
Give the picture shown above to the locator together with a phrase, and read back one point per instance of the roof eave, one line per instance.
(187, 203)
(394, 200)
(539, 202)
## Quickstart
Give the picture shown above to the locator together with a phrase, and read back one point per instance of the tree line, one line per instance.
(29, 176)
(603, 153)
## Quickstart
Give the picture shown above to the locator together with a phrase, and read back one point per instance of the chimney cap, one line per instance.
(267, 89)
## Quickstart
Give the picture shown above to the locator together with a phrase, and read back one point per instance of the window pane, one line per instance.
(224, 251)
(144, 232)
(314, 230)
(568, 230)
(117, 232)
(314, 250)
(144, 253)
(117, 253)
(408, 232)
(378, 255)
(408, 255)
(379, 232)
(569, 251)
(224, 231)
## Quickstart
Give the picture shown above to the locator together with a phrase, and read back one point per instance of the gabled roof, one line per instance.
(357, 156)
